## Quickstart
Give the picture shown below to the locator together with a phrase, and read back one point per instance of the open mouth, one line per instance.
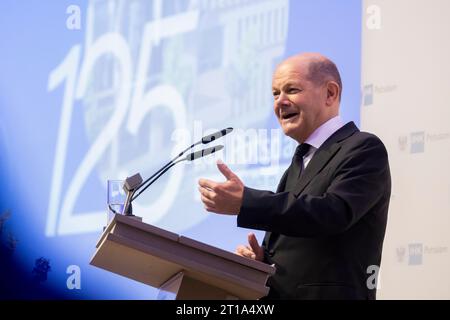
(287, 116)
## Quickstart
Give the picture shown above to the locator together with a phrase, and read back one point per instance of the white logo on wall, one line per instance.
(146, 71)
(419, 139)
(371, 90)
(368, 95)
(400, 252)
(414, 253)
(417, 142)
(373, 21)
(402, 142)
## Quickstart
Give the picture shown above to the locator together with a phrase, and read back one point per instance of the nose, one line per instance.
(281, 101)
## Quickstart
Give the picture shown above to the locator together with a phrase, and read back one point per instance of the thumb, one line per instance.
(253, 242)
(225, 170)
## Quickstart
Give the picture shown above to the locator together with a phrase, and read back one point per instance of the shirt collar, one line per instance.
(322, 133)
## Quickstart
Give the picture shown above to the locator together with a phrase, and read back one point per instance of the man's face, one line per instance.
(299, 104)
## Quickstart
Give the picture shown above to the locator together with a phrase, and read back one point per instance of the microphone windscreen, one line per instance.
(202, 153)
(216, 135)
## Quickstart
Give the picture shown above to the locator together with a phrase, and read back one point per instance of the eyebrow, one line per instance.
(287, 85)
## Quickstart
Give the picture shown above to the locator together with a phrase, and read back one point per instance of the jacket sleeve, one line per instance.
(359, 182)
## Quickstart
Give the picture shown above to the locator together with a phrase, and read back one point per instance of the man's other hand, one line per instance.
(253, 250)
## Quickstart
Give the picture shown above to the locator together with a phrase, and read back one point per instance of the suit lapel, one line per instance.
(320, 159)
(280, 188)
(323, 155)
(282, 183)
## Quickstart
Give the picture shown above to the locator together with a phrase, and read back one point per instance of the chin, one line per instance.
(289, 131)
(292, 132)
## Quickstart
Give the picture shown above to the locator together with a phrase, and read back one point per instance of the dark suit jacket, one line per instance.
(325, 234)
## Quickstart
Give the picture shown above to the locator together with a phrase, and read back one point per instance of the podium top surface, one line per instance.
(186, 242)
(151, 255)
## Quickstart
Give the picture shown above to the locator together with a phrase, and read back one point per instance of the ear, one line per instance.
(333, 92)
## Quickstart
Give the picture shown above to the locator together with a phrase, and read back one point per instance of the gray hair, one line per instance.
(322, 70)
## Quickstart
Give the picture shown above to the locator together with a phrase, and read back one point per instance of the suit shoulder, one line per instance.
(365, 140)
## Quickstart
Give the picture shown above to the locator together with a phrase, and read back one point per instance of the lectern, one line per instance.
(182, 268)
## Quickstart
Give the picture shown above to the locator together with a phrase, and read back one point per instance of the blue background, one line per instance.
(34, 41)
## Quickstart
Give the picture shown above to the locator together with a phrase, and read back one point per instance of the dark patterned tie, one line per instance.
(294, 173)
(296, 168)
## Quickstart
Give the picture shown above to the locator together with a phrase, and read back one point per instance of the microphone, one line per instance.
(132, 187)
(202, 153)
(190, 157)
(216, 135)
(205, 140)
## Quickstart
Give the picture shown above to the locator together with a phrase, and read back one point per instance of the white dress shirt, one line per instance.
(320, 135)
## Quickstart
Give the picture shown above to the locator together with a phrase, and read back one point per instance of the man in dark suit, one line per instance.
(326, 222)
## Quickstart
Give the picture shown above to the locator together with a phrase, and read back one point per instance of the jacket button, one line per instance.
(271, 252)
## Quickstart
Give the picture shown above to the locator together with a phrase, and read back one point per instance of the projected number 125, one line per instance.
(130, 109)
